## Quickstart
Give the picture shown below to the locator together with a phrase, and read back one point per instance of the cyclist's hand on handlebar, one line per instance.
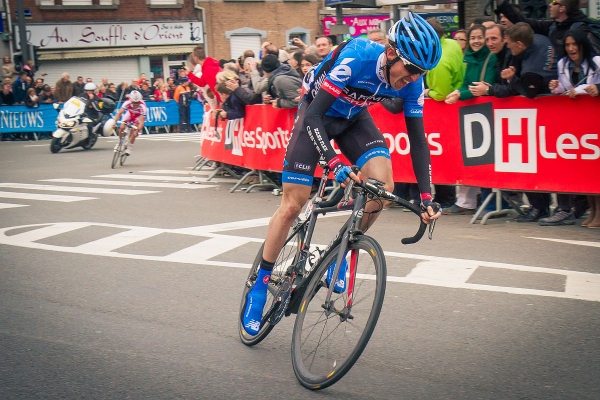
(342, 172)
(430, 210)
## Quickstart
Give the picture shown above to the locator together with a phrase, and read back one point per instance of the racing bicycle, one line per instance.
(120, 155)
(336, 292)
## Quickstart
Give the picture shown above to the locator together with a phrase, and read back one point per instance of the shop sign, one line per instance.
(48, 36)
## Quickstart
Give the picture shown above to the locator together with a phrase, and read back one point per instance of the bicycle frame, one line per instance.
(363, 192)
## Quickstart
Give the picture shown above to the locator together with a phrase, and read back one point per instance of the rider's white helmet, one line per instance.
(135, 96)
(89, 86)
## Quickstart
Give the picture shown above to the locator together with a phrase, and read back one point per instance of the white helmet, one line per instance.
(135, 96)
(89, 86)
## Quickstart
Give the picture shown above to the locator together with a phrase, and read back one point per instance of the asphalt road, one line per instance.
(126, 283)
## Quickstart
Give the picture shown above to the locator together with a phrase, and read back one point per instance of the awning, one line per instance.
(76, 54)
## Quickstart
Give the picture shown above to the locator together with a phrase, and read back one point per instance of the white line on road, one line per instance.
(166, 178)
(431, 270)
(56, 188)
(8, 205)
(178, 171)
(131, 183)
(577, 242)
(44, 197)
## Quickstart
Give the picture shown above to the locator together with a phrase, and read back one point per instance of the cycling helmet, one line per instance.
(415, 40)
(135, 96)
(89, 86)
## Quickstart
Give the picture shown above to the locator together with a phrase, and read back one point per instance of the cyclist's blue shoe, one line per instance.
(340, 284)
(255, 302)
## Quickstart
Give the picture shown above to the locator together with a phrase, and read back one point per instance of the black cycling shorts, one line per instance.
(358, 139)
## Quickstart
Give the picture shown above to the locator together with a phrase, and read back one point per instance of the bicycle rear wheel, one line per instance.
(280, 279)
(326, 342)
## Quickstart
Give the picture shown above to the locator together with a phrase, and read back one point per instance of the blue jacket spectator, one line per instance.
(20, 87)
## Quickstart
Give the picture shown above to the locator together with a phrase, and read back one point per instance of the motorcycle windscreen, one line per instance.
(74, 106)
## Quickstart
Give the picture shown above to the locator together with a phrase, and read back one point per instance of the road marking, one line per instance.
(8, 205)
(166, 178)
(44, 197)
(178, 171)
(429, 270)
(576, 242)
(131, 183)
(173, 137)
(56, 188)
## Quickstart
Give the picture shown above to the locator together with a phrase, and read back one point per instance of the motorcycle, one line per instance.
(73, 125)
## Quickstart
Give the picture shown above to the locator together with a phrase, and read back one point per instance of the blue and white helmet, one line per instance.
(415, 40)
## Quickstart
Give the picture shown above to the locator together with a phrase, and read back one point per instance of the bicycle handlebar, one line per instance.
(384, 194)
(381, 192)
(337, 196)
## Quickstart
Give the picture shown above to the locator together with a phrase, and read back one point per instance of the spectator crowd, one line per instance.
(507, 56)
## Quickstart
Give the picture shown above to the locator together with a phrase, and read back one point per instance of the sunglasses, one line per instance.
(412, 68)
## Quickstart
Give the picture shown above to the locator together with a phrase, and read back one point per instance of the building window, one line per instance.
(164, 3)
(74, 4)
(243, 39)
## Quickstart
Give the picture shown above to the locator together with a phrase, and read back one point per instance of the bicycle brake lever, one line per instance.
(430, 229)
(347, 194)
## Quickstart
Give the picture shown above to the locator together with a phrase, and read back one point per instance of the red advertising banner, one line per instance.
(546, 144)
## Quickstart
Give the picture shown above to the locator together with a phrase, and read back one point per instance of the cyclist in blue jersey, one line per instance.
(337, 92)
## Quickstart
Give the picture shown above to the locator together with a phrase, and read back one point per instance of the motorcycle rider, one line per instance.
(93, 109)
(135, 111)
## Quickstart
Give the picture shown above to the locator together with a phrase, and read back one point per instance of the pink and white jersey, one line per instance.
(134, 111)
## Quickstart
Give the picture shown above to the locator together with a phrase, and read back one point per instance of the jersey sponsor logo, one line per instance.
(421, 99)
(331, 88)
(418, 111)
(512, 140)
(341, 72)
(302, 167)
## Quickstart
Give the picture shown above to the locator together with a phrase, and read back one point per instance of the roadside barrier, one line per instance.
(14, 119)
(548, 144)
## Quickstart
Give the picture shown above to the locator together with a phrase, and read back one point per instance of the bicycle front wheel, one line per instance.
(278, 285)
(116, 157)
(329, 337)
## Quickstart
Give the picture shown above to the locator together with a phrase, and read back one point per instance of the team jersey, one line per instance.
(357, 80)
(133, 111)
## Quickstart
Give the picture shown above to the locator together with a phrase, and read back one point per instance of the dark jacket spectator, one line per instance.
(20, 87)
(283, 82)
(6, 95)
(146, 91)
(63, 90)
(78, 86)
(46, 95)
(532, 65)
(563, 13)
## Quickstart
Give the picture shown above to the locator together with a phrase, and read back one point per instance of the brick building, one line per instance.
(119, 39)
